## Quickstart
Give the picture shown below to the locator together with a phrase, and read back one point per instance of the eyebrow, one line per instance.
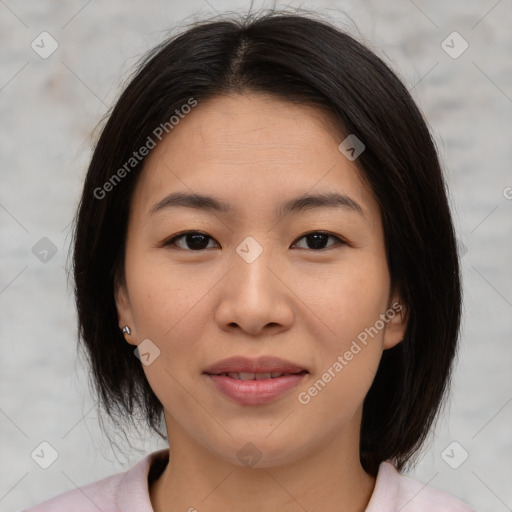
(298, 204)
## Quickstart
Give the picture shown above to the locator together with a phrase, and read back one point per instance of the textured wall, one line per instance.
(51, 103)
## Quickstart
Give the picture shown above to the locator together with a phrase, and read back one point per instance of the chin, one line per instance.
(262, 452)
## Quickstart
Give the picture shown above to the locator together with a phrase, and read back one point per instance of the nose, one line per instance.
(255, 297)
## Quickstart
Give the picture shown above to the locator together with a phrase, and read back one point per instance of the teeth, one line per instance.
(261, 376)
(252, 376)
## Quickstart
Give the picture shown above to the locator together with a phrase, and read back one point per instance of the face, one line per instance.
(309, 284)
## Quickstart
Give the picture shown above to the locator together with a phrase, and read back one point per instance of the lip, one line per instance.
(263, 364)
(256, 392)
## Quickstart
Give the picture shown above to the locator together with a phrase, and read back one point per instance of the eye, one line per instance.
(197, 241)
(318, 238)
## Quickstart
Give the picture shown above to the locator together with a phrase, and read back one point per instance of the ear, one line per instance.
(397, 316)
(124, 311)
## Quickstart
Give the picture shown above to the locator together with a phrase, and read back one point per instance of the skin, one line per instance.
(294, 301)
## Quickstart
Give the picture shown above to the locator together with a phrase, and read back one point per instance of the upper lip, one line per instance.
(264, 364)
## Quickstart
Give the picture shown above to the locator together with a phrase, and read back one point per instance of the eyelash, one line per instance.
(172, 241)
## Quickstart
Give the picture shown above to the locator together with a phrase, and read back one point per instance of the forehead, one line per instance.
(230, 127)
(252, 150)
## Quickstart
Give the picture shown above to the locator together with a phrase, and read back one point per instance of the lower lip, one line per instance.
(255, 392)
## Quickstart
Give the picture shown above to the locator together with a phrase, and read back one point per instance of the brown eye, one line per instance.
(193, 240)
(318, 239)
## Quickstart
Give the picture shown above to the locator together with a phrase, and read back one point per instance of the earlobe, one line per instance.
(124, 313)
(397, 316)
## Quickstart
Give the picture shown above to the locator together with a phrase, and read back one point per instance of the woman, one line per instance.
(266, 268)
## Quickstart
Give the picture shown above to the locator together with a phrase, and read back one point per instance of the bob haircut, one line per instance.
(306, 60)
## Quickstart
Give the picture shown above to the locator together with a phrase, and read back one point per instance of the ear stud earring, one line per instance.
(126, 330)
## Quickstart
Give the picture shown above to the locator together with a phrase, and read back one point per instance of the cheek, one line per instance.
(333, 397)
(164, 299)
(167, 310)
(350, 353)
(352, 298)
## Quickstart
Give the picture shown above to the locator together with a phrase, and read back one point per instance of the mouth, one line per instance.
(256, 376)
(255, 381)
(245, 368)
(248, 388)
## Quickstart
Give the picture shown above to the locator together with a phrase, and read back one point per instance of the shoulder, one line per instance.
(408, 495)
(86, 498)
(126, 491)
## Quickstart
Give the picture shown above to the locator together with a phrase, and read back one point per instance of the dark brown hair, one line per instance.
(304, 59)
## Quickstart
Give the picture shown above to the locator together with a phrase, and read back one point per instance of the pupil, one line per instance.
(194, 241)
(318, 242)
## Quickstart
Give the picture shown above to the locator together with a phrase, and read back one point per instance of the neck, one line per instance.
(329, 477)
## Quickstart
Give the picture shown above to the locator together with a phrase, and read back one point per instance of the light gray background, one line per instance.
(49, 108)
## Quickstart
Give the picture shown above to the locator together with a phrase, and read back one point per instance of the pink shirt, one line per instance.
(129, 492)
